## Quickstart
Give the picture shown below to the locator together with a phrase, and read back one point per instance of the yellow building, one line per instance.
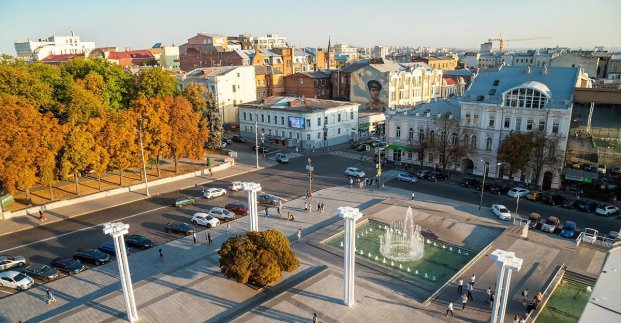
(445, 63)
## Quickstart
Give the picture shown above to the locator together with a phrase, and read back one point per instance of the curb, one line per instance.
(140, 198)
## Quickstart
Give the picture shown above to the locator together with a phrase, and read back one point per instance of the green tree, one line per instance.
(156, 82)
(195, 93)
(515, 150)
(17, 78)
(214, 123)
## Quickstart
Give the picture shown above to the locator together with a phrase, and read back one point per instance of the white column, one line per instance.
(252, 189)
(507, 262)
(350, 215)
(117, 230)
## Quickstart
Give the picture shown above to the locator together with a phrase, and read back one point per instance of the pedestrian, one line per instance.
(290, 216)
(280, 203)
(460, 286)
(489, 293)
(413, 195)
(42, 216)
(210, 172)
(351, 182)
(209, 238)
(296, 150)
(516, 319)
(50, 296)
(299, 235)
(525, 295)
(538, 297)
(228, 227)
(206, 237)
(278, 210)
(473, 279)
(318, 207)
(313, 148)
(491, 299)
(305, 206)
(267, 213)
(450, 309)
(194, 237)
(469, 289)
(322, 207)
(464, 300)
(315, 318)
(161, 254)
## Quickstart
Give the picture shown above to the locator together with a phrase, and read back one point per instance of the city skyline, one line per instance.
(141, 24)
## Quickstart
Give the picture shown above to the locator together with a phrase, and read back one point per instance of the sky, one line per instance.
(139, 24)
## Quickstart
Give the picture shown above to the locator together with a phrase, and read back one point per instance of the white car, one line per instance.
(405, 177)
(15, 279)
(236, 186)
(517, 191)
(214, 192)
(606, 209)
(355, 172)
(205, 219)
(501, 212)
(221, 214)
(7, 262)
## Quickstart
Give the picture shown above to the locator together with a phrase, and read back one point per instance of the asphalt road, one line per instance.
(288, 181)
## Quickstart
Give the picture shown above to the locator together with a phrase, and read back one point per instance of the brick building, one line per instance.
(309, 84)
(341, 80)
(132, 58)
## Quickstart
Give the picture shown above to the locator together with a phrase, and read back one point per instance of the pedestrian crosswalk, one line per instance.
(351, 155)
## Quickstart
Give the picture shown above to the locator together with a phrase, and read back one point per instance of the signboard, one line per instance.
(297, 122)
(310, 168)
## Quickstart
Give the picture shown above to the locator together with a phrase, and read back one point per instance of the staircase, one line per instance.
(580, 278)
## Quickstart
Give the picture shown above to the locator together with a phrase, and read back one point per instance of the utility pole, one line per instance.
(310, 170)
(256, 136)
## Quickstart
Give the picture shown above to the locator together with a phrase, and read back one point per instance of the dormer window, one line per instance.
(534, 96)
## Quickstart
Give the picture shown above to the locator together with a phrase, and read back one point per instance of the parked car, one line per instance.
(535, 221)
(354, 172)
(363, 147)
(552, 199)
(93, 256)
(221, 214)
(534, 196)
(570, 203)
(227, 140)
(138, 241)
(42, 272)
(435, 177)
(501, 211)
(569, 229)
(213, 192)
(616, 170)
(282, 158)
(205, 219)
(267, 199)
(586, 206)
(262, 149)
(183, 201)
(601, 168)
(517, 192)
(422, 174)
(67, 265)
(406, 177)
(7, 262)
(237, 208)
(236, 186)
(551, 224)
(589, 235)
(109, 248)
(470, 182)
(239, 139)
(614, 235)
(179, 228)
(606, 209)
(15, 279)
(607, 185)
(497, 189)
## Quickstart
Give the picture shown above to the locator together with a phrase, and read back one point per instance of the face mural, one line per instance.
(375, 104)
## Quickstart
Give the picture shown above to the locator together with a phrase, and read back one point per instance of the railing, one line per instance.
(594, 239)
(547, 292)
(520, 221)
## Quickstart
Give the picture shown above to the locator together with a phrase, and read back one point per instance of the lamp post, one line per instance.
(253, 189)
(485, 170)
(310, 170)
(350, 215)
(144, 166)
(379, 165)
(256, 136)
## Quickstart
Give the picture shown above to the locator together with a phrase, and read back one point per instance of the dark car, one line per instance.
(183, 201)
(497, 189)
(138, 241)
(179, 228)
(239, 139)
(552, 199)
(42, 272)
(470, 183)
(535, 221)
(68, 265)
(109, 248)
(586, 206)
(570, 204)
(436, 177)
(227, 140)
(93, 256)
(237, 208)
(262, 149)
(363, 147)
(267, 199)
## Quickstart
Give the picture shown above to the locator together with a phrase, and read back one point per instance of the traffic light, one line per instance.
(309, 174)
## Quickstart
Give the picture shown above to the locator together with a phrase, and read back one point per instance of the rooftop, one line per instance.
(211, 71)
(450, 106)
(604, 306)
(134, 54)
(295, 104)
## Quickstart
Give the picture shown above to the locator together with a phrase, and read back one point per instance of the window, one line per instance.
(525, 98)
(351, 115)
(233, 87)
(468, 118)
(518, 124)
(421, 135)
(432, 136)
(476, 119)
(276, 120)
(245, 128)
(338, 131)
(319, 121)
(301, 81)
(491, 121)
(430, 158)
(488, 144)
(492, 91)
(308, 122)
(496, 82)
(542, 125)
(262, 118)
(290, 135)
(529, 125)
(269, 132)
(473, 142)
(454, 139)
(250, 116)
(410, 155)
(244, 115)
(269, 118)
(398, 132)
(339, 118)
(325, 121)
(507, 122)
(411, 134)
(319, 135)
(308, 136)
(297, 135)
(555, 126)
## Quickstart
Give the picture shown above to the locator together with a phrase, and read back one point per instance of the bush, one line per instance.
(258, 258)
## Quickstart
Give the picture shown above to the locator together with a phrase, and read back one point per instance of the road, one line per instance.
(288, 181)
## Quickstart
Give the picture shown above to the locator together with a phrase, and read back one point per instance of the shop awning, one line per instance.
(402, 148)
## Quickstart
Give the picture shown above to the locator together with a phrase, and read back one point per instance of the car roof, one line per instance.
(571, 223)
(9, 273)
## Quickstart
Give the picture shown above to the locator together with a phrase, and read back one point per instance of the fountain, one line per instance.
(403, 241)
(370, 255)
(376, 259)
(426, 276)
(341, 243)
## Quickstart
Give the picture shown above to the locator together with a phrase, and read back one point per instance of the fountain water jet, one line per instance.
(402, 241)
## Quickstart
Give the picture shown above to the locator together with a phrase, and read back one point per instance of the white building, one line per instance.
(169, 57)
(345, 49)
(269, 41)
(292, 121)
(231, 86)
(55, 45)
(379, 52)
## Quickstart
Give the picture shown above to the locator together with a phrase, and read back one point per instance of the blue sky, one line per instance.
(447, 23)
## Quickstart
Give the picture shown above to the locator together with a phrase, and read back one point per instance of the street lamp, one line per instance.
(310, 170)
(485, 170)
(256, 136)
(379, 165)
(144, 166)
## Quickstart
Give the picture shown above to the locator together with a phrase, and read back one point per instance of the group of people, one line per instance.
(362, 183)
(308, 207)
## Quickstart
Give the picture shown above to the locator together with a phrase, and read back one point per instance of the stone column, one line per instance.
(507, 262)
(252, 189)
(117, 230)
(350, 215)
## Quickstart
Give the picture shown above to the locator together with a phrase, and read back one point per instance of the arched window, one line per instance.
(431, 136)
(443, 138)
(474, 142)
(488, 144)
(421, 135)
(411, 134)
(467, 140)
(526, 97)
(398, 132)
(454, 139)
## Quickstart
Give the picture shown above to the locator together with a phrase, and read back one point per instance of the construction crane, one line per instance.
(502, 41)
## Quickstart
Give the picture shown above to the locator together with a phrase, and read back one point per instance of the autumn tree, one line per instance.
(214, 123)
(515, 150)
(101, 157)
(545, 152)
(153, 113)
(78, 153)
(195, 94)
(52, 134)
(156, 82)
(187, 136)
(121, 140)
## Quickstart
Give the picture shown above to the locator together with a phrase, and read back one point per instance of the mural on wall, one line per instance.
(375, 103)
(370, 89)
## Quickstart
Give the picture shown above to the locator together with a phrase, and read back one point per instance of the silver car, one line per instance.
(15, 279)
(7, 262)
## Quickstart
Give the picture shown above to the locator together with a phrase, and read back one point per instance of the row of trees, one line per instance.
(87, 115)
(530, 152)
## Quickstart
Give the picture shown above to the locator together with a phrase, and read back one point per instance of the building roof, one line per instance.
(414, 65)
(132, 54)
(603, 305)
(51, 59)
(315, 75)
(211, 71)
(387, 67)
(296, 104)
(559, 82)
(354, 66)
(461, 72)
(450, 106)
(210, 34)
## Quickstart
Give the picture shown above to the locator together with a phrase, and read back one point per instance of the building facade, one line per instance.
(307, 123)
(309, 84)
(269, 41)
(169, 57)
(55, 45)
(231, 86)
(439, 62)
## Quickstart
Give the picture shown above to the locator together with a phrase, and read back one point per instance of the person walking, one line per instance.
(267, 213)
(469, 289)
(194, 237)
(525, 295)
(209, 238)
(206, 237)
(305, 206)
(460, 286)
(464, 300)
(491, 299)
(516, 319)
(318, 207)
(315, 318)
(450, 309)
(351, 182)
(489, 293)
(299, 235)
(322, 207)
(50, 297)
(161, 253)
(42, 216)
(473, 279)
(278, 210)
(210, 172)
(413, 196)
